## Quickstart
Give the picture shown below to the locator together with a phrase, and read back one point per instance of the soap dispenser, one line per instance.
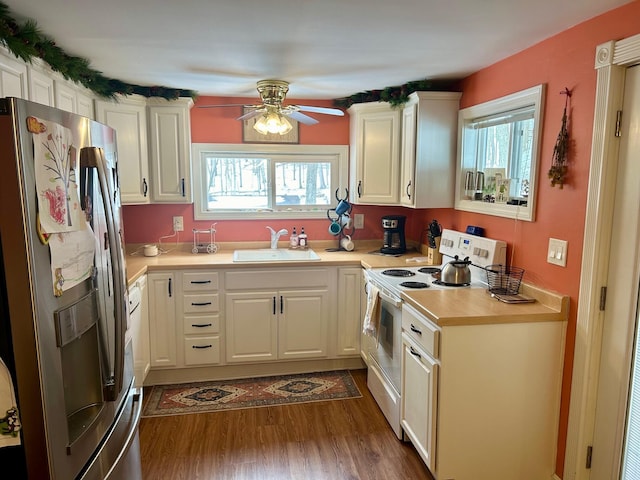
(302, 238)
(293, 239)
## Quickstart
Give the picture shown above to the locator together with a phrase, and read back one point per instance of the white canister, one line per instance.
(347, 243)
(150, 250)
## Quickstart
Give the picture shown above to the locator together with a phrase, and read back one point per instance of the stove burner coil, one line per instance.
(398, 272)
(414, 284)
(429, 270)
(447, 284)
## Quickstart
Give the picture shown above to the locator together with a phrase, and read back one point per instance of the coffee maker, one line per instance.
(393, 240)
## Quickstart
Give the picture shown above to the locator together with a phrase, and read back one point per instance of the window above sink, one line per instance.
(498, 153)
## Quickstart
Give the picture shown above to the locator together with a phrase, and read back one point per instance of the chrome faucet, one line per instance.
(276, 235)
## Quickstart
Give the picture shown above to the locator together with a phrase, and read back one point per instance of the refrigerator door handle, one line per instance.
(93, 157)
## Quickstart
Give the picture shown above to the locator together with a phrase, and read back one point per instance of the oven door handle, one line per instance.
(395, 301)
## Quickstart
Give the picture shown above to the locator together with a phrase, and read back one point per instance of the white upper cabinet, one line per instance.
(428, 153)
(170, 150)
(405, 155)
(41, 88)
(128, 116)
(13, 78)
(375, 150)
(65, 97)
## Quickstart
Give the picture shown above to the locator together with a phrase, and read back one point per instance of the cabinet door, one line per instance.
(170, 154)
(84, 105)
(375, 155)
(349, 292)
(162, 319)
(141, 356)
(408, 155)
(65, 97)
(40, 88)
(251, 326)
(303, 324)
(13, 78)
(130, 123)
(419, 401)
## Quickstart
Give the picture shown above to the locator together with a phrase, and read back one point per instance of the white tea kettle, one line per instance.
(456, 272)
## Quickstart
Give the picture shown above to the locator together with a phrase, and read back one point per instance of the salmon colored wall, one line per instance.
(565, 60)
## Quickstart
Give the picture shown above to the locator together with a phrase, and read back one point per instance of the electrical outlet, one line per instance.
(178, 224)
(358, 221)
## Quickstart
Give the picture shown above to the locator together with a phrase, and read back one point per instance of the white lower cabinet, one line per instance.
(251, 327)
(482, 401)
(162, 315)
(287, 323)
(200, 318)
(419, 399)
(231, 316)
(349, 310)
(140, 333)
(277, 325)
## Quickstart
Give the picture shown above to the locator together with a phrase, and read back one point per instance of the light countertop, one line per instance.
(476, 306)
(178, 257)
(446, 307)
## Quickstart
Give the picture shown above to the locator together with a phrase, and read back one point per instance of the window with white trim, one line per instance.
(272, 181)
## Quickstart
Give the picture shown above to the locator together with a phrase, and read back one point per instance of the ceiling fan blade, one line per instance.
(324, 110)
(229, 105)
(253, 113)
(300, 117)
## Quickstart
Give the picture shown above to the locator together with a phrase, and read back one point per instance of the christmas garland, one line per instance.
(396, 96)
(27, 42)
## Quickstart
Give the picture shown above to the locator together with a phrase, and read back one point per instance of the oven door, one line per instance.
(387, 354)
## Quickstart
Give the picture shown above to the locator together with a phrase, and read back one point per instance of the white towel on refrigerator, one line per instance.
(9, 419)
(371, 324)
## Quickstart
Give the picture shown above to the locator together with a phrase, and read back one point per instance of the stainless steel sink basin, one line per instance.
(274, 255)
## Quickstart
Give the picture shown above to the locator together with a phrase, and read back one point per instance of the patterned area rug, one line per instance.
(204, 397)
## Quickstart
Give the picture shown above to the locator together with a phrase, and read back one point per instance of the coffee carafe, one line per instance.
(394, 241)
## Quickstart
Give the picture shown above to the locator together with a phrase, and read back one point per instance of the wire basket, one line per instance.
(503, 279)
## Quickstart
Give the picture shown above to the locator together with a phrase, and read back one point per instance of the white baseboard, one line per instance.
(555, 477)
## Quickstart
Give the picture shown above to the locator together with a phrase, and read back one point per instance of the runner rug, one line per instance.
(213, 396)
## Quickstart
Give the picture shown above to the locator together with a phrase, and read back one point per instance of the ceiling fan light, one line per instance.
(272, 122)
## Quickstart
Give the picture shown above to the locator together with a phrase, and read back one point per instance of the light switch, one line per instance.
(557, 252)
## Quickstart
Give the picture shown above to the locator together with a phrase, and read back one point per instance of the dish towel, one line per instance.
(9, 419)
(371, 322)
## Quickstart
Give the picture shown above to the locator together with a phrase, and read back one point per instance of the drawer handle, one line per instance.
(200, 282)
(201, 325)
(201, 346)
(200, 304)
(414, 353)
(415, 330)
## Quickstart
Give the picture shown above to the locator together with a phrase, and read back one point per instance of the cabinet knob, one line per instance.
(359, 188)
(201, 346)
(415, 330)
(414, 353)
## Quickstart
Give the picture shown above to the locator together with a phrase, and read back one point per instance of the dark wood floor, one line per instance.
(334, 440)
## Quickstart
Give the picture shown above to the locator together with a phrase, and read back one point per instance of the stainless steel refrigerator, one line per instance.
(71, 407)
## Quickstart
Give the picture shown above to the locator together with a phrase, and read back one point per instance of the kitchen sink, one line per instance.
(274, 255)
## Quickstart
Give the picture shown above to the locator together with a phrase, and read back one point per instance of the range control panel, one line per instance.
(481, 251)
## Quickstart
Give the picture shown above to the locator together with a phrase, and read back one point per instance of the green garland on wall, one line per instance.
(399, 95)
(26, 42)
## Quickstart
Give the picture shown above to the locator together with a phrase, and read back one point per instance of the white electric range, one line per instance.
(384, 355)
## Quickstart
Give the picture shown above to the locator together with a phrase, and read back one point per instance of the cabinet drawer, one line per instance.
(199, 281)
(201, 303)
(277, 278)
(201, 324)
(421, 330)
(202, 350)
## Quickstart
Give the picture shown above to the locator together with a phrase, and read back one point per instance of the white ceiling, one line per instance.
(324, 48)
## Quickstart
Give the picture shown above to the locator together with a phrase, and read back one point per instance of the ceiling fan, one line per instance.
(272, 112)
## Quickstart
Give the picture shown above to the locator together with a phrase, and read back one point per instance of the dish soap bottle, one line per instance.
(302, 238)
(293, 239)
